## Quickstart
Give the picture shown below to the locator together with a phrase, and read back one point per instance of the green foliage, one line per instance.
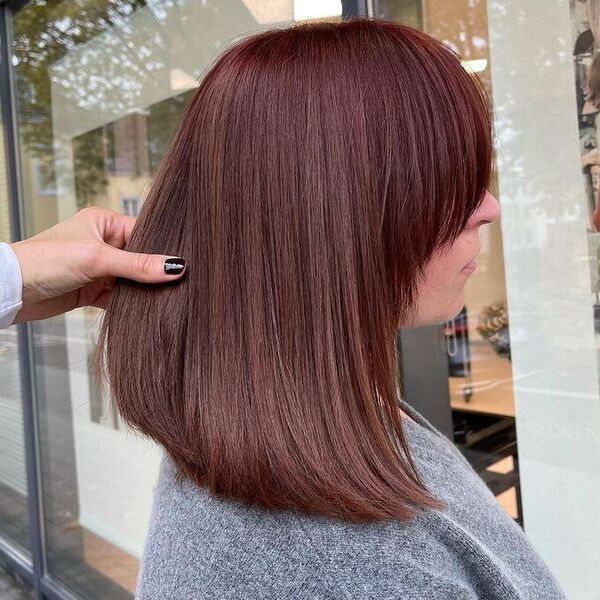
(44, 32)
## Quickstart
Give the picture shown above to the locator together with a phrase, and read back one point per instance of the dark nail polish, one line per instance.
(174, 266)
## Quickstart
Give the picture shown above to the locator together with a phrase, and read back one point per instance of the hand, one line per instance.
(75, 263)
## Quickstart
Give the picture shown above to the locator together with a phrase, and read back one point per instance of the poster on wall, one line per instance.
(585, 30)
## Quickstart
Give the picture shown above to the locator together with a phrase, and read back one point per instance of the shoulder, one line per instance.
(383, 559)
(279, 559)
(202, 546)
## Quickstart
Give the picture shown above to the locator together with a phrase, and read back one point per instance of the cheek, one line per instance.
(443, 277)
(443, 273)
(440, 292)
(450, 265)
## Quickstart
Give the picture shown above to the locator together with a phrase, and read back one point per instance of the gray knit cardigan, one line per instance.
(204, 547)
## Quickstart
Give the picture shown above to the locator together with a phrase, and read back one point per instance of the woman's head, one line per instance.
(316, 171)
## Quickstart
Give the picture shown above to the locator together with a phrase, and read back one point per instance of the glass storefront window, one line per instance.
(476, 344)
(100, 89)
(522, 357)
(477, 340)
(100, 86)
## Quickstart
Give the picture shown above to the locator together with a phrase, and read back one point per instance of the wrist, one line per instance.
(17, 250)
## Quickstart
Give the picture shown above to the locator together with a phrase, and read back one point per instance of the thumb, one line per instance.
(145, 268)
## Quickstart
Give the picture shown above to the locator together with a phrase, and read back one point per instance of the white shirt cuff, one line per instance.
(11, 286)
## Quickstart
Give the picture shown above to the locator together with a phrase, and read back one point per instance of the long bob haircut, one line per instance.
(316, 171)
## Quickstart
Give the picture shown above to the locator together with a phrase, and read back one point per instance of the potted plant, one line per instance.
(493, 326)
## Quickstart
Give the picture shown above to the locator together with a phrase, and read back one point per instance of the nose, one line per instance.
(488, 211)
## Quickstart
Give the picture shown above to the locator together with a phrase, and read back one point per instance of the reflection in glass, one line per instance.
(14, 522)
(480, 390)
(100, 89)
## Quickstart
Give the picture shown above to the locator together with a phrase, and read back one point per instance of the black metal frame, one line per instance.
(33, 567)
(355, 8)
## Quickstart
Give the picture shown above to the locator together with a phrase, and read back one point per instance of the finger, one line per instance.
(146, 268)
(127, 224)
(118, 229)
(93, 293)
(113, 228)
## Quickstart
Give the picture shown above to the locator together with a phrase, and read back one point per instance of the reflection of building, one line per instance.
(4, 215)
(97, 103)
(114, 162)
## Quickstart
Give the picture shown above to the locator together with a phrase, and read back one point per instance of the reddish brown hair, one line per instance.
(315, 172)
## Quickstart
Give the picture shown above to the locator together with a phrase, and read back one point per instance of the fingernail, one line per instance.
(174, 266)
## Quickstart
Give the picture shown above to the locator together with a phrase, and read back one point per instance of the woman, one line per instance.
(326, 187)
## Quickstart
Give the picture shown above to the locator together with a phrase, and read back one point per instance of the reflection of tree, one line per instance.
(89, 166)
(163, 118)
(132, 145)
(46, 33)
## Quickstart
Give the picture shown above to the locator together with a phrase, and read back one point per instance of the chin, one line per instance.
(446, 313)
(454, 310)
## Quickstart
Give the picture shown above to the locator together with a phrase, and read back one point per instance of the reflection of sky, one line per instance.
(159, 49)
(273, 11)
(131, 66)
